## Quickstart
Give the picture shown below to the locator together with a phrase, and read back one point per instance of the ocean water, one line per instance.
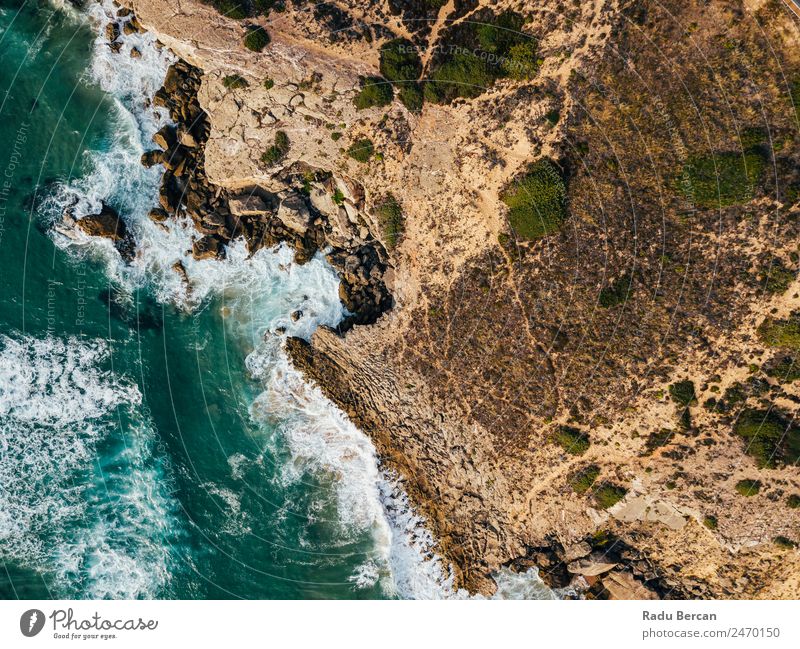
(154, 440)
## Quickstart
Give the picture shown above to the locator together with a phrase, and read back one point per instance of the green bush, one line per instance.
(410, 95)
(770, 439)
(256, 39)
(390, 220)
(776, 278)
(748, 488)
(583, 479)
(400, 61)
(522, 62)
(795, 94)
(537, 201)
(336, 136)
(236, 9)
(277, 152)
(269, 84)
(608, 495)
(683, 393)
(617, 293)
(784, 542)
(657, 440)
(723, 179)
(572, 440)
(338, 196)
(234, 81)
(375, 91)
(361, 150)
(264, 7)
(793, 501)
(781, 333)
(710, 522)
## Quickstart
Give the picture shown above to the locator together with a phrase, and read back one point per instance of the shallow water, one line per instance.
(154, 440)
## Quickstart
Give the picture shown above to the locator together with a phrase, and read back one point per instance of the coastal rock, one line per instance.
(112, 31)
(165, 137)
(107, 223)
(158, 215)
(152, 158)
(590, 567)
(294, 213)
(207, 247)
(623, 586)
(248, 205)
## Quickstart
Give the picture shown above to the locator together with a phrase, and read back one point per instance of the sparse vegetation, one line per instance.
(537, 201)
(361, 150)
(781, 333)
(336, 136)
(710, 522)
(683, 393)
(256, 39)
(572, 440)
(234, 81)
(583, 479)
(608, 495)
(657, 440)
(785, 369)
(793, 501)
(776, 278)
(390, 220)
(748, 488)
(269, 84)
(375, 91)
(400, 64)
(770, 439)
(236, 9)
(277, 152)
(784, 542)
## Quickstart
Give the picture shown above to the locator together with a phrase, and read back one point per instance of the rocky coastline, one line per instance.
(530, 430)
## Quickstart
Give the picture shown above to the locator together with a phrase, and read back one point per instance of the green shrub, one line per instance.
(683, 393)
(375, 91)
(710, 522)
(770, 439)
(748, 488)
(234, 81)
(277, 152)
(236, 9)
(390, 220)
(553, 116)
(781, 333)
(338, 196)
(400, 61)
(723, 179)
(608, 495)
(537, 201)
(264, 7)
(657, 440)
(521, 62)
(410, 95)
(793, 501)
(256, 39)
(269, 84)
(572, 440)
(361, 150)
(795, 94)
(617, 293)
(784, 542)
(336, 136)
(583, 479)
(776, 278)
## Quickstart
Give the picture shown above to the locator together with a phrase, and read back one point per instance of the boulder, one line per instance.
(158, 215)
(165, 137)
(135, 53)
(128, 28)
(622, 585)
(106, 224)
(112, 31)
(172, 80)
(589, 567)
(577, 551)
(187, 139)
(207, 247)
(248, 205)
(294, 213)
(152, 158)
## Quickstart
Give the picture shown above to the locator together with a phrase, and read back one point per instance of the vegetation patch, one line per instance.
(657, 440)
(537, 201)
(683, 393)
(269, 84)
(361, 150)
(710, 522)
(793, 501)
(748, 488)
(583, 479)
(723, 179)
(390, 220)
(770, 439)
(234, 81)
(475, 53)
(277, 152)
(608, 495)
(616, 293)
(784, 542)
(375, 91)
(781, 333)
(776, 279)
(785, 369)
(256, 39)
(236, 9)
(572, 440)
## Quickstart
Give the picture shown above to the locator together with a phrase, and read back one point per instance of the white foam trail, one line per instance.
(57, 408)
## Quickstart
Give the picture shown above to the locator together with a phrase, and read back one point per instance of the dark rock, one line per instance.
(207, 247)
(151, 158)
(165, 137)
(296, 315)
(158, 215)
(106, 224)
(112, 31)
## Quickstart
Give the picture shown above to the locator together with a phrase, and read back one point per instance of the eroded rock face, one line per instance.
(109, 225)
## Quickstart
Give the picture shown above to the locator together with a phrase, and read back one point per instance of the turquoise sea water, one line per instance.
(154, 441)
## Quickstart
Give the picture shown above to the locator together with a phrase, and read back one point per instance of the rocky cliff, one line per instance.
(569, 236)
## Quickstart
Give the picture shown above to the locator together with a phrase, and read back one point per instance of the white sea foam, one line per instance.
(58, 407)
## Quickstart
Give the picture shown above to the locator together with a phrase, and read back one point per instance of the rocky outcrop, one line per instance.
(109, 225)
